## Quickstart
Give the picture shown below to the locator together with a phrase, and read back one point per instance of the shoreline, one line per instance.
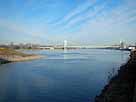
(10, 55)
(122, 87)
(9, 59)
(14, 58)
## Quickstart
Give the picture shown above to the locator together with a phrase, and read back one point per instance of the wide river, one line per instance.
(62, 76)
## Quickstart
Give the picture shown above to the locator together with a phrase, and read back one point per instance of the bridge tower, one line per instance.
(65, 44)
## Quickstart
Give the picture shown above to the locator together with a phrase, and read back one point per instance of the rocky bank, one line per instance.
(122, 87)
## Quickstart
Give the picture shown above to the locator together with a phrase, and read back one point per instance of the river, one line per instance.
(62, 76)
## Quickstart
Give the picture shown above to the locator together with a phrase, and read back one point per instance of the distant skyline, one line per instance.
(97, 22)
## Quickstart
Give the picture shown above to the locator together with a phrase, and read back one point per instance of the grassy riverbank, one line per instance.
(122, 87)
(9, 55)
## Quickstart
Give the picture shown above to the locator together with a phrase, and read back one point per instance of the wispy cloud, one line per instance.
(75, 12)
(86, 12)
(91, 14)
(120, 13)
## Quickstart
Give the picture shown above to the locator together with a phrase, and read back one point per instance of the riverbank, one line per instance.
(122, 87)
(10, 55)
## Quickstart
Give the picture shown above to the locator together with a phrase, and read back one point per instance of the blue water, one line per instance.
(71, 76)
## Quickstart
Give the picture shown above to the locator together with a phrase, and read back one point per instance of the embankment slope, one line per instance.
(122, 87)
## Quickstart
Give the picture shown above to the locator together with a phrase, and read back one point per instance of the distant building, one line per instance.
(11, 45)
(21, 45)
(131, 47)
(28, 45)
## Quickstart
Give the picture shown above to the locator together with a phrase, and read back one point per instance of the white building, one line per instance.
(131, 47)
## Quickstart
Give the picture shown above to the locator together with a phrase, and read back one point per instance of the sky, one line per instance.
(80, 22)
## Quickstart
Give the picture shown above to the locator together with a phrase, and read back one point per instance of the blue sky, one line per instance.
(97, 22)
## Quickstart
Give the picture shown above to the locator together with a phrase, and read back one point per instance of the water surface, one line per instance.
(70, 76)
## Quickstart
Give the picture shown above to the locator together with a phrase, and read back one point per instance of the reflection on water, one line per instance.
(72, 76)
